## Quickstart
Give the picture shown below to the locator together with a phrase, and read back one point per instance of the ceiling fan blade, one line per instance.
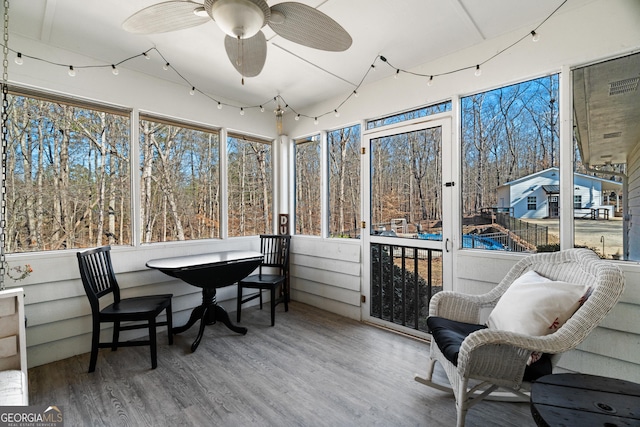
(163, 17)
(307, 26)
(247, 55)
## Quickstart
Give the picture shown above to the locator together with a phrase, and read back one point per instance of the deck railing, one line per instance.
(403, 279)
(522, 235)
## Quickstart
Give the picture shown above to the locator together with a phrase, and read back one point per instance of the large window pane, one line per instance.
(406, 182)
(344, 182)
(68, 182)
(180, 182)
(250, 187)
(606, 181)
(510, 188)
(308, 186)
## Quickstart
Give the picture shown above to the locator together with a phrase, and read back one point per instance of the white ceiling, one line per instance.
(407, 32)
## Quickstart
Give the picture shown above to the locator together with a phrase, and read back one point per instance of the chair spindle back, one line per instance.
(98, 277)
(275, 251)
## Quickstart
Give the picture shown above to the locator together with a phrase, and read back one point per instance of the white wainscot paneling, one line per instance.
(326, 273)
(595, 364)
(477, 272)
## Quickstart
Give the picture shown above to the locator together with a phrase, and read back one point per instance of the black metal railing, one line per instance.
(403, 280)
(523, 233)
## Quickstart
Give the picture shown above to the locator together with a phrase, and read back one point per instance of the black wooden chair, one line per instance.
(273, 274)
(99, 280)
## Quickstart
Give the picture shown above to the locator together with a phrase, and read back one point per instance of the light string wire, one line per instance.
(476, 66)
(278, 98)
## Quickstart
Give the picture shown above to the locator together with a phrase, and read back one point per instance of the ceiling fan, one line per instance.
(242, 21)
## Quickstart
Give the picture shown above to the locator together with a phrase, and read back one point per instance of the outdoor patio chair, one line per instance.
(273, 274)
(546, 305)
(99, 281)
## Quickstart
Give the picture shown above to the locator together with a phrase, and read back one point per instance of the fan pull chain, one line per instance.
(240, 58)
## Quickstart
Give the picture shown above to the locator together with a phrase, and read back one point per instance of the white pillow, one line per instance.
(535, 305)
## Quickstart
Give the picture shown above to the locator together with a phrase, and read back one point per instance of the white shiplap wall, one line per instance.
(633, 176)
(326, 273)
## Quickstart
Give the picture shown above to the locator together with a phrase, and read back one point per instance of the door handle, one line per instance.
(446, 245)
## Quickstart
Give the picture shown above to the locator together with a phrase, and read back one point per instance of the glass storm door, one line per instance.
(407, 234)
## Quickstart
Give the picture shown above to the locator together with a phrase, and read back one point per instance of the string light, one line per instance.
(72, 72)
(192, 91)
(535, 36)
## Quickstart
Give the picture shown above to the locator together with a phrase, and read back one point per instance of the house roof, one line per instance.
(606, 183)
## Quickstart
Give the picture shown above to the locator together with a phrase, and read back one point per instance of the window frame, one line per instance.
(227, 191)
(577, 201)
(97, 107)
(184, 124)
(319, 138)
(358, 188)
(559, 104)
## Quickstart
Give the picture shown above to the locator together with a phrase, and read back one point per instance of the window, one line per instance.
(344, 182)
(68, 182)
(250, 186)
(406, 183)
(577, 202)
(308, 186)
(607, 157)
(510, 161)
(179, 181)
(409, 115)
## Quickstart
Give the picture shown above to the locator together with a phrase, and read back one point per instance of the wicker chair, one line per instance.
(489, 359)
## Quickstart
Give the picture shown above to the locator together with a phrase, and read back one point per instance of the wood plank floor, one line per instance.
(313, 368)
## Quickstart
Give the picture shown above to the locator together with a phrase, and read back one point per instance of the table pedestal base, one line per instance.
(209, 312)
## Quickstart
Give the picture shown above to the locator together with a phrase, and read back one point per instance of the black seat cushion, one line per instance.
(449, 334)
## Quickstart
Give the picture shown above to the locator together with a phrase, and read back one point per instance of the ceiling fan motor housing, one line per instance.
(239, 18)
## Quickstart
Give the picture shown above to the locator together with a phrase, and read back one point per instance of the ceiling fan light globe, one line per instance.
(238, 18)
